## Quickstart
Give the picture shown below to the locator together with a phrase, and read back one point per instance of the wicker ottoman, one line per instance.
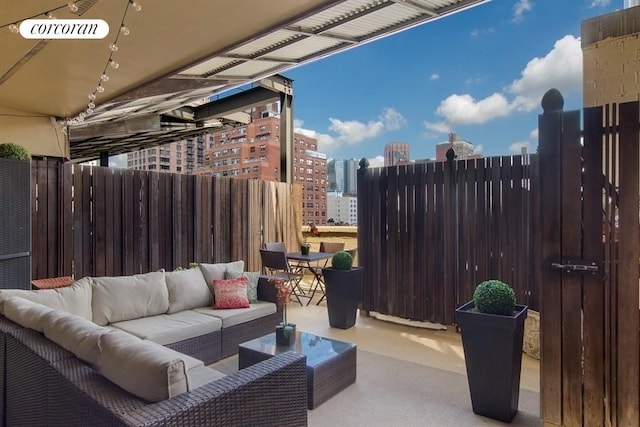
(331, 364)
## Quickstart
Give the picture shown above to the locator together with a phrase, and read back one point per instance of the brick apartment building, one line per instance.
(250, 151)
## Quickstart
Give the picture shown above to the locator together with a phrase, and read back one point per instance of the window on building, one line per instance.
(252, 149)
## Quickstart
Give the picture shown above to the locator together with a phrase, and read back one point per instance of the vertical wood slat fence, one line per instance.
(429, 233)
(94, 221)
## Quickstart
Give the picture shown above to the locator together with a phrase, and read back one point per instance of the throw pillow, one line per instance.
(252, 282)
(230, 293)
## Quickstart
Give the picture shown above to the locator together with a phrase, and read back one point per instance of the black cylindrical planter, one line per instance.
(343, 294)
(493, 356)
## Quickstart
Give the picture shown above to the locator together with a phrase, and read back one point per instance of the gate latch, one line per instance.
(576, 265)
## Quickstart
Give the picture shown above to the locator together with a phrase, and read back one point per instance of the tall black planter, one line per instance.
(343, 289)
(493, 356)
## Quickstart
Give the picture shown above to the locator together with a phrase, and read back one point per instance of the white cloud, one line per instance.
(534, 134)
(376, 162)
(517, 147)
(442, 127)
(478, 148)
(434, 76)
(520, 8)
(352, 132)
(118, 161)
(392, 120)
(481, 32)
(599, 3)
(560, 68)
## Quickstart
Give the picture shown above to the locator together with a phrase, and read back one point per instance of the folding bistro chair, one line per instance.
(276, 265)
(328, 247)
(275, 246)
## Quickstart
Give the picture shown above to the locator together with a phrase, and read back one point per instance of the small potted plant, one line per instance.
(285, 331)
(492, 328)
(343, 288)
(305, 248)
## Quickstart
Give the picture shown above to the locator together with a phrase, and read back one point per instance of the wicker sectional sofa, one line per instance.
(137, 355)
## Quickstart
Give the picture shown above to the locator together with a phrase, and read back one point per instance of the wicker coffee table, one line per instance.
(331, 364)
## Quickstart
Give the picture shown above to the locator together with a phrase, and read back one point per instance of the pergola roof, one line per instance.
(179, 56)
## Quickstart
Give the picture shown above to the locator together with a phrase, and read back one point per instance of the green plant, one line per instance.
(342, 260)
(494, 297)
(14, 151)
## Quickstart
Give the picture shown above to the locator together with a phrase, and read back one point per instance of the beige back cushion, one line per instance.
(129, 297)
(26, 313)
(74, 299)
(187, 290)
(143, 368)
(75, 334)
(213, 272)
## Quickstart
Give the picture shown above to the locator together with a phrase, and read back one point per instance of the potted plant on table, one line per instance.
(285, 331)
(492, 328)
(305, 248)
(343, 288)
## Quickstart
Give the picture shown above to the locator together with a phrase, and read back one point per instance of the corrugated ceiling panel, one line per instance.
(275, 38)
(305, 47)
(207, 66)
(379, 20)
(251, 68)
(339, 12)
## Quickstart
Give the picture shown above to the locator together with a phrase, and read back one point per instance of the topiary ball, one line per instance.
(494, 297)
(14, 151)
(342, 260)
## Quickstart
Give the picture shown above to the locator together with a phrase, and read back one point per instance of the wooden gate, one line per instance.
(590, 320)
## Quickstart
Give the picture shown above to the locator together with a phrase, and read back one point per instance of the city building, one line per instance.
(343, 175)
(252, 151)
(396, 153)
(177, 157)
(342, 209)
(249, 151)
(463, 149)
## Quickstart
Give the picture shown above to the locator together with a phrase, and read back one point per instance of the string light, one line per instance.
(135, 6)
(113, 47)
(14, 28)
(113, 64)
(104, 77)
(73, 7)
(124, 31)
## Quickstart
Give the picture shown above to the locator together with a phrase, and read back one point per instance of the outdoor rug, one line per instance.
(391, 392)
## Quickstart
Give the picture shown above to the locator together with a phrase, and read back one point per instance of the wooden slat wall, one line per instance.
(429, 233)
(92, 221)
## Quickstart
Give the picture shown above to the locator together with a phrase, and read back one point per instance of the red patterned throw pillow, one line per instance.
(230, 293)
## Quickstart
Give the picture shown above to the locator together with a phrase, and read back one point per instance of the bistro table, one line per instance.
(310, 262)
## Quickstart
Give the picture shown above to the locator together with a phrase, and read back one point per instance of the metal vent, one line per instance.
(84, 5)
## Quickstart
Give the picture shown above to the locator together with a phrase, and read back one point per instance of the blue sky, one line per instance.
(480, 73)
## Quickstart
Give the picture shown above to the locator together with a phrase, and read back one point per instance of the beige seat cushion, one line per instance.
(170, 328)
(202, 375)
(26, 313)
(235, 316)
(187, 289)
(143, 368)
(129, 297)
(74, 299)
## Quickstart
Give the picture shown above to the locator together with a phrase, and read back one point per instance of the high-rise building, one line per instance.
(343, 175)
(396, 153)
(252, 151)
(462, 148)
(178, 157)
(342, 209)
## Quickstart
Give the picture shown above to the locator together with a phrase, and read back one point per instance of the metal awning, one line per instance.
(178, 57)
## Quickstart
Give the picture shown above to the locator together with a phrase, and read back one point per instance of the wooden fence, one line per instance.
(429, 233)
(103, 221)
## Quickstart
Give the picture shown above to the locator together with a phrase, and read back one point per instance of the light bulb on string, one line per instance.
(135, 6)
(50, 15)
(114, 64)
(14, 28)
(100, 89)
(92, 96)
(104, 77)
(73, 7)
(113, 47)
(124, 31)
(91, 105)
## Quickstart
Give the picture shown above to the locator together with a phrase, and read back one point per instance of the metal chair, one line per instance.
(275, 264)
(328, 247)
(275, 246)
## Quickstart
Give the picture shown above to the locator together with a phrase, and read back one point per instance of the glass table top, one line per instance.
(317, 349)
